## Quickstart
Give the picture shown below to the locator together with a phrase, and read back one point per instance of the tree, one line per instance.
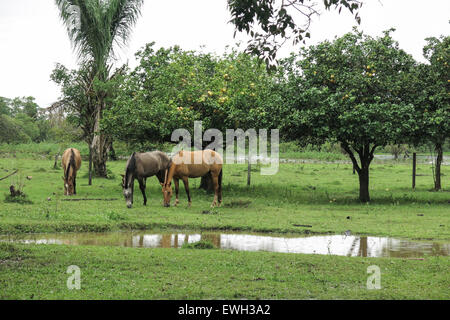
(25, 105)
(4, 106)
(170, 88)
(432, 99)
(94, 28)
(350, 91)
(11, 131)
(271, 23)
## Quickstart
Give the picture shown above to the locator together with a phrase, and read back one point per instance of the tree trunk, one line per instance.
(365, 156)
(437, 181)
(364, 183)
(112, 153)
(100, 147)
(90, 165)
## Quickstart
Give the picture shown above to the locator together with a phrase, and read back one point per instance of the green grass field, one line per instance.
(321, 195)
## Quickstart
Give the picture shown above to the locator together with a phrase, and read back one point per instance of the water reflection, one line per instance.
(330, 244)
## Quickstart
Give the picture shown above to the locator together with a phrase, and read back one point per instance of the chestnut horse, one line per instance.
(71, 163)
(193, 164)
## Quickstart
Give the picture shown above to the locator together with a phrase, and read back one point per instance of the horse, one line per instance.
(140, 166)
(193, 164)
(71, 163)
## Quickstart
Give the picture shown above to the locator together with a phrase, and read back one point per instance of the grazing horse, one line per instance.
(140, 166)
(71, 163)
(193, 164)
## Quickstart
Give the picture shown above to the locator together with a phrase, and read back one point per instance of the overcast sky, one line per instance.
(33, 39)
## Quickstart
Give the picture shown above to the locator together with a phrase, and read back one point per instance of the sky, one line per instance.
(33, 39)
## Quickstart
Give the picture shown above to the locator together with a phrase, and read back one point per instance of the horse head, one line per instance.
(69, 188)
(166, 190)
(127, 191)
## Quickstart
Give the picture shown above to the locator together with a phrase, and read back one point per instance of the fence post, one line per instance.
(414, 172)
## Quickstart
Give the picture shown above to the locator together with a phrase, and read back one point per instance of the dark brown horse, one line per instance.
(140, 166)
(71, 163)
(193, 164)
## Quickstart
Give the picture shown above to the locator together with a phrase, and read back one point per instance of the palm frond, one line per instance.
(96, 26)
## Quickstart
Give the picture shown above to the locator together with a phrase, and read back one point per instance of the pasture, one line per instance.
(322, 196)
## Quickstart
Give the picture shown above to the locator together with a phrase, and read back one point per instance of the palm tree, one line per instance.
(96, 28)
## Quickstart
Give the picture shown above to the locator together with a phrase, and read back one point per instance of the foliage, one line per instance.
(24, 115)
(95, 28)
(271, 23)
(351, 90)
(171, 88)
(432, 98)
(11, 131)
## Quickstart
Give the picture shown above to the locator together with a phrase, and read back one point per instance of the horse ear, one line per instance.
(63, 178)
(162, 184)
(123, 176)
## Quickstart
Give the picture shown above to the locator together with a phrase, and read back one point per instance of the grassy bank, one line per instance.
(321, 195)
(40, 272)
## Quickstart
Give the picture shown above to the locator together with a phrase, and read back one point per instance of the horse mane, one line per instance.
(131, 167)
(71, 163)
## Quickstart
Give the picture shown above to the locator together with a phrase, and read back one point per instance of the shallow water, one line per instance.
(324, 244)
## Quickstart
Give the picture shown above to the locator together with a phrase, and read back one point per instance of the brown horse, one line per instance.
(71, 163)
(140, 166)
(193, 164)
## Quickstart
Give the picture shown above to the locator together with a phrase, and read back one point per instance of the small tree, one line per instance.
(432, 99)
(350, 91)
(94, 28)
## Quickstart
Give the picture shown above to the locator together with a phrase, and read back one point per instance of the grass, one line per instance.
(40, 272)
(321, 195)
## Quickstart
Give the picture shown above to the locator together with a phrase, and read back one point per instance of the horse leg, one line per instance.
(186, 186)
(215, 180)
(220, 187)
(177, 186)
(142, 187)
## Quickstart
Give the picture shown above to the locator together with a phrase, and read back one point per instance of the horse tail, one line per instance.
(69, 164)
(72, 159)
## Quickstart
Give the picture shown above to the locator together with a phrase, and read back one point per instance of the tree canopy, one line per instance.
(350, 90)
(271, 23)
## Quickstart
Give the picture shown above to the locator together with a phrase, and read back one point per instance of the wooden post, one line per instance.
(90, 166)
(249, 170)
(414, 172)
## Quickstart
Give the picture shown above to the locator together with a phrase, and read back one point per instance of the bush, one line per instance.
(11, 131)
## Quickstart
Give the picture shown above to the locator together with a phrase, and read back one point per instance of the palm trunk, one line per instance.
(437, 181)
(99, 146)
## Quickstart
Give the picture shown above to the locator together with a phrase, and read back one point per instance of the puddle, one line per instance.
(330, 244)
